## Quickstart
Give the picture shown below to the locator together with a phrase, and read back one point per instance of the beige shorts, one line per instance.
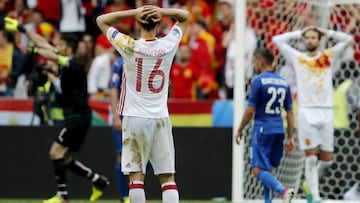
(147, 140)
(316, 128)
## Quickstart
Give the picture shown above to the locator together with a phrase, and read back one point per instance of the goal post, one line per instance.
(271, 17)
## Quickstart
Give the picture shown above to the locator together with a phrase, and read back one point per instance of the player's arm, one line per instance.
(289, 143)
(114, 84)
(180, 15)
(113, 94)
(343, 40)
(282, 43)
(288, 105)
(246, 118)
(39, 41)
(105, 21)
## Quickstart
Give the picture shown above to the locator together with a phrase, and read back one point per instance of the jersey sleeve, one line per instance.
(254, 92)
(344, 40)
(123, 43)
(174, 35)
(282, 43)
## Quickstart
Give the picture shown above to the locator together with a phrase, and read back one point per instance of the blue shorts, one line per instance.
(267, 150)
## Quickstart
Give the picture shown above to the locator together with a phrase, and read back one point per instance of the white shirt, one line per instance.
(147, 64)
(73, 19)
(313, 74)
(99, 73)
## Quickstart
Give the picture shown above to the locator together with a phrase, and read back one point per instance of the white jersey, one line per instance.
(313, 74)
(147, 64)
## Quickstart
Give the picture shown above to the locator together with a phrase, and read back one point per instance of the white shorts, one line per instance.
(147, 139)
(316, 128)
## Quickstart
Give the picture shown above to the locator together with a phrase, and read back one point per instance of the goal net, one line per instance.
(271, 17)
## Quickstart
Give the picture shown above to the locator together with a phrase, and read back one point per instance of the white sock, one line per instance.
(136, 192)
(170, 193)
(312, 176)
(322, 166)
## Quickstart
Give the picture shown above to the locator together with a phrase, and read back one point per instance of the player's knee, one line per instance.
(311, 152)
(167, 177)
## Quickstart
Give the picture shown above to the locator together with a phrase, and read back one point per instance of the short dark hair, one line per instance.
(265, 54)
(150, 25)
(71, 41)
(202, 24)
(320, 34)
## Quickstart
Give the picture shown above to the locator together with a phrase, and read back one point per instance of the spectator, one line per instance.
(10, 63)
(20, 13)
(52, 15)
(124, 25)
(72, 18)
(99, 75)
(199, 10)
(86, 50)
(102, 45)
(184, 75)
(217, 30)
(249, 46)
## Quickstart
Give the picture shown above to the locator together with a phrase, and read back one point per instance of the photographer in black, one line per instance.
(76, 109)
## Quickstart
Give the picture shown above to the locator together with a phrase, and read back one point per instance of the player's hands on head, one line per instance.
(150, 12)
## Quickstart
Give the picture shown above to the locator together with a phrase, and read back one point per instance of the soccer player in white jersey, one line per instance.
(313, 69)
(147, 130)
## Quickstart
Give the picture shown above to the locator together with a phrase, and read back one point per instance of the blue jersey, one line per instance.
(269, 95)
(116, 74)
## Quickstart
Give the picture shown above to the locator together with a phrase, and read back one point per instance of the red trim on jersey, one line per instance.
(150, 39)
(169, 187)
(122, 95)
(136, 186)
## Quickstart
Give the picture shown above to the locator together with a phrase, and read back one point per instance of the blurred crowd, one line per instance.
(203, 68)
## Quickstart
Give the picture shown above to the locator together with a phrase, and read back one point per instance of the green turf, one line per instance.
(99, 201)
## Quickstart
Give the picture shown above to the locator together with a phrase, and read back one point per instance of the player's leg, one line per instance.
(308, 142)
(136, 148)
(136, 187)
(267, 152)
(164, 166)
(169, 189)
(311, 174)
(267, 195)
(57, 153)
(74, 137)
(327, 143)
(121, 179)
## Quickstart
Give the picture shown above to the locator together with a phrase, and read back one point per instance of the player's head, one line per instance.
(68, 45)
(149, 26)
(312, 38)
(263, 59)
(184, 53)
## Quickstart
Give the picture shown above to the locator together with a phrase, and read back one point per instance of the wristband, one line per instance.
(62, 61)
(21, 28)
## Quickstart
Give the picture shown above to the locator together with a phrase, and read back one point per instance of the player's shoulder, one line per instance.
(175, 32)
